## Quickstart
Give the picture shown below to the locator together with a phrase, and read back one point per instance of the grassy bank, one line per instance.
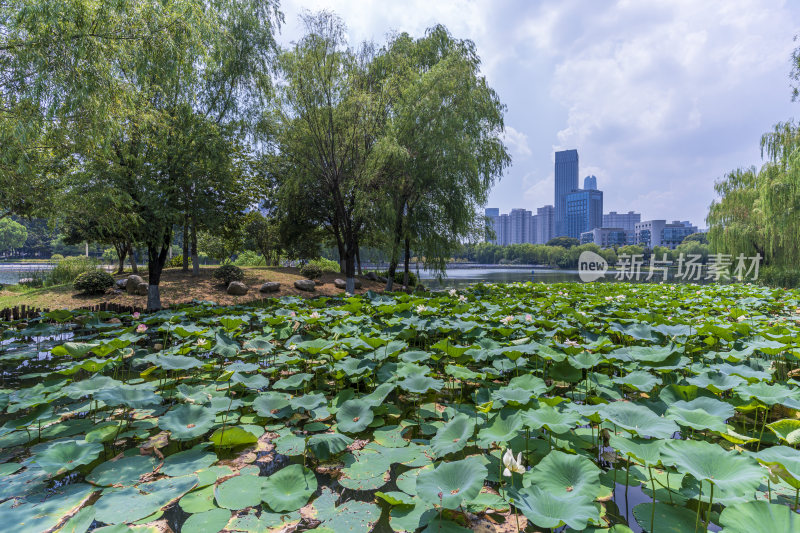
(176, 287)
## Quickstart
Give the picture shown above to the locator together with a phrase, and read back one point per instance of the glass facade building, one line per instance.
(584, 212)
(566, 181)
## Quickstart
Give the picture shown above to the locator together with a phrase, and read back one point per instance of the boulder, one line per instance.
(372, 276)
(382, 279)
(305, 284)
(121, 283)
(141, 289)
(270, 286)
(237, 288)
(342, 284)
(132, 284)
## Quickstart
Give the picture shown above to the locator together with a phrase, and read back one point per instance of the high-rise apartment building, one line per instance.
(566, 181)
(544, 224)
(520, 220)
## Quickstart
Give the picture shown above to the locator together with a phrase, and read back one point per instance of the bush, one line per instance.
(228, 273)
(326, 265)
(398, 277)
(775, 276)
(56, 257)
(94, 282)
(310, 271)
(69, 268)
(249, 258)
(177, 261)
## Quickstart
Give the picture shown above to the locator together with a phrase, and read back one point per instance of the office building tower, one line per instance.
(590, 183)
(626, 221)
(566, 181)
(584, 212)
(652, 233)
(605, 237)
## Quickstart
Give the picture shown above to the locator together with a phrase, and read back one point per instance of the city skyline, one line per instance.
(659, 99)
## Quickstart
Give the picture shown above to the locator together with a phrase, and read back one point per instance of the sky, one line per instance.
(660, 98)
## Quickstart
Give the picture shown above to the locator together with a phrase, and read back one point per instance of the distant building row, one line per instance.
(578, 213)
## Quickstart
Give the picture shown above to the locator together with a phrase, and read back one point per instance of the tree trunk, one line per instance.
(132, 255)
(406, 259)
(185, 266)
(398, 234)
(122, 251)
(358, 258)
(342, 255)
(156, 258)
(195, 258)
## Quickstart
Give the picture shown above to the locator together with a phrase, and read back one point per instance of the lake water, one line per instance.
(461, 277)
(11, 273)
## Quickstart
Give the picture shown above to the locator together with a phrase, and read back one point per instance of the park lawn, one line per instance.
(178, 287)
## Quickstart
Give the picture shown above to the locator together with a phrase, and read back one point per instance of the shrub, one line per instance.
(326, 265)
(310, 271)
(70, 268)
(228, 273)
(776, 276)
(249, 258)
(177, 261)
(56, 257)
(398, 277)
(93, 282)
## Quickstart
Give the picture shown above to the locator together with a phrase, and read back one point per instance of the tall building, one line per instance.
(652, 233)
(584, 212)
(566, 180)
(590, 183)
(626, 221)
(493, 223)
(605, 237)
(519, 226)
(544, 224)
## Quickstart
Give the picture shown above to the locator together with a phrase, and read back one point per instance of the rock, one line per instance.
(141, 289)
(132, 284)
(372, 276)
(270, 286)
(121, 283)
(382, 279)
(237, 288)
(342, 284)
(319, 282)
(305, 284)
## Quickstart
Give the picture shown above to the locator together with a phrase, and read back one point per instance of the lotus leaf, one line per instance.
(289, 488)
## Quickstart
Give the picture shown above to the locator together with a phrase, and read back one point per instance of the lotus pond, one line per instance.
(495, 408)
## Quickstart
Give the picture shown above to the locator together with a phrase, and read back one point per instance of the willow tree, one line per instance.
(326, 125)
(442, 150)
(735, 220)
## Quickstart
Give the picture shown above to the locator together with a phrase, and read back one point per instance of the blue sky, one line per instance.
(660, 98)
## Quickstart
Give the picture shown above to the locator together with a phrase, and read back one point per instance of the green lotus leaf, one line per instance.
(123, 471)
(265, 521)
(293, 382)
(129, 504)
(395, 498)
(546, 509)
(765, 393)
(407, 481)
(349, 517)
(378, 396)
(365, 470)
(198, 501)
(716, 381)
(709, 462)
(211, 521)
(354, 416)
(450, 485)
(326, 445)
(307, 402)
(551, 419)
(44, 510)
(290, 444)
(254, 382)
(638, 419)
(188, 461)
(639, 380)
(175, 362)
(137, 398)
(512, 396)
(787, 430)
(666, 518)
(758, 516)
(232, 436)
(565, 474)
(239, 492)
(453, 436)
(289, 488)
(788, 458)
(503, 427)
(225, 346)
(439, 524)
(63, 456)
(420, 384)
(272, 405)
(390, 436)
(186, 422)
(698, 419)
(646, 451)
(104, 432)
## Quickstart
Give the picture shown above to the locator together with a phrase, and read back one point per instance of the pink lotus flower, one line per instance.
(136, 315)
(528, 318)
(141, 328)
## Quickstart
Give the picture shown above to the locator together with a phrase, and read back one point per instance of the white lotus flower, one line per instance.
(293, 347)
(462, 298)
(511, 464)
(314, 315)
(741, 318)
(528, 318)
(421, 308)
(453, 292)
(570, 342)
(507, 320)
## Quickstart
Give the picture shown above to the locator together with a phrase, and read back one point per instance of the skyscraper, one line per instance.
(493, 214)
(544, 224)
(566, 180)
(584, 212)
(590, 183)
(519, 226)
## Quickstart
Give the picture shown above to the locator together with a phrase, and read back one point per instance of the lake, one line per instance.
(11, 273)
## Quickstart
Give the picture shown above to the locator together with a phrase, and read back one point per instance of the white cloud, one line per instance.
(517, 142)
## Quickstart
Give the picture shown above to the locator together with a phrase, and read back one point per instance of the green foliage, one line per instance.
(702, 238)
(249, 258)
(12, 234)
(779, 276)
(326, 265)
(563, 242)
(398, 277)
(228, 273)
(69, 268)
(93, 282)
(56, 257)
(310, 271)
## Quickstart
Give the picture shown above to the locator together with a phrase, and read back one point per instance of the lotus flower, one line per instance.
(452, 292)
(462, 298)
(314, 315)
(507, 320)
(570, 342)
(141, 328)
(136, 315)
(511, 464)
(421, 308)
(293, 347)
(201, 342)
(528, 318)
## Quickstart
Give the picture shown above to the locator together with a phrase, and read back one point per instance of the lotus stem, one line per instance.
(763, 424)
(699, 502)
(653, 509)
(710, 502)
